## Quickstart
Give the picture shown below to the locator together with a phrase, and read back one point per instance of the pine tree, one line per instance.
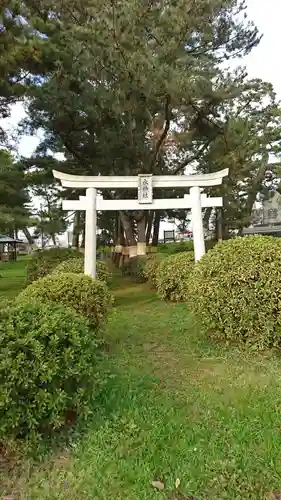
(251, 138)
(129, 86)
(14, 198)
(19, 53)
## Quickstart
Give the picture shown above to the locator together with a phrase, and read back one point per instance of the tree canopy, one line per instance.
(143, 87)
(14, 198)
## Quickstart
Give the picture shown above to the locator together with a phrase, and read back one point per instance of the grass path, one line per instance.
(175, 407)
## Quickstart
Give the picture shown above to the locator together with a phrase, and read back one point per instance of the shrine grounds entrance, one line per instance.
(92, 203)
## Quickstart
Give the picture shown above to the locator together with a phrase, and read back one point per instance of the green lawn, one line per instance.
(176, 407)
(12, 278)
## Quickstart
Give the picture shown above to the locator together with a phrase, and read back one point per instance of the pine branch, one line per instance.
(192, 158)
(165, 130)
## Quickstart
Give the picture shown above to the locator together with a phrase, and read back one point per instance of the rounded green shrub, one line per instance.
(76, 265)
(103, 273)
(173, 275)
(48, 368)
(43, 262)
(85, 295)
(151, 267)
(235, 290)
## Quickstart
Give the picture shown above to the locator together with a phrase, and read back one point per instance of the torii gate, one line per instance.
(91, 203)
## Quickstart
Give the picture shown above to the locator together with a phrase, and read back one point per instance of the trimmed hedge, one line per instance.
(235, 290)
(173, 276)
(43, 262)
(183, 246)
(85, 295)
(176, 247)
(151, 267)
(48, 359)
(76, 265)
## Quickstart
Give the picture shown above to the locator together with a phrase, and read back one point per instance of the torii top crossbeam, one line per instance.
(158, 181)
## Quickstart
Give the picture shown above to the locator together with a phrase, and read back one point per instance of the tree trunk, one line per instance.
(83, 238)
(156, 227)
(76, 230)
(116, 240)
(222, 232)
(149, 220)
(128, 229)
(206, 218)
(119, 242)
(141, 245)
(28, 235)
(256, 186)
(124, 248)
(53, 238)
(116, 230)
(219, 224)
(129, 234)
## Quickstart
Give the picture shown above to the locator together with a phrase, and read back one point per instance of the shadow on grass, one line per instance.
(129, 294)
(137, 297)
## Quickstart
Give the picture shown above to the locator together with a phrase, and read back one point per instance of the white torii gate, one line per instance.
(91, 203)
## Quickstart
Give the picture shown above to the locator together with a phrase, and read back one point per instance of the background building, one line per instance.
(267, 217)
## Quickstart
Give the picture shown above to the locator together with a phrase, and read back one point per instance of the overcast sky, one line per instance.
(264, 61)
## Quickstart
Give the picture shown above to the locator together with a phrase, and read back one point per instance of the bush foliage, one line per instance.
(48, 360)
(76, 265)
(176, 247)
(173, 275)
(236, 288)
(43, 262)
(87, 296)
(182, 246)
(151, 267)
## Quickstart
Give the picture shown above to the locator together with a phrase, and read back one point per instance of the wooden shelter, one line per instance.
(8, 248)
